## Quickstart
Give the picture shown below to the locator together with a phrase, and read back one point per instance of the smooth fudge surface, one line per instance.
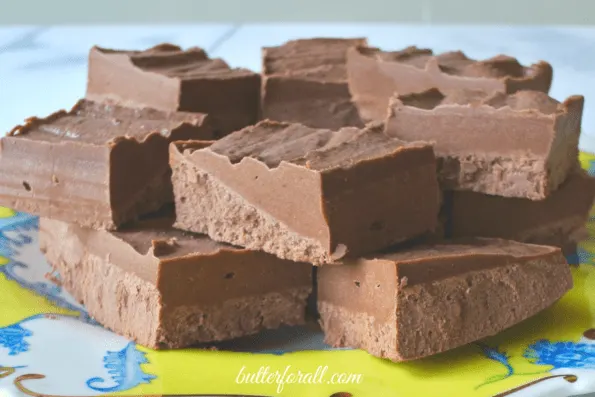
(513, 145)
(167, 77)
(429, 299)
(99, 164)
(305, 81)
(164, 288)
(559, 220)
(305, 194)
(374, 75)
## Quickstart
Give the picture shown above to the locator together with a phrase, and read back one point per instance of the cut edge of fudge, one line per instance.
(232, 190)
(403, 309)
(143, 305)
(305, 81)
(375, 75)
(53, 190)
(529, 102)
(318, 105)
(170, 78)
(545, 163)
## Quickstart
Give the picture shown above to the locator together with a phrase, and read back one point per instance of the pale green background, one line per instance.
(526, 12)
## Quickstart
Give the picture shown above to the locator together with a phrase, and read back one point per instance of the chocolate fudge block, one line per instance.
(99, 165)
(429, 299)
(309, 195)
(305, 81)
(519, 145)
(165, 288)
(559, 220)
(374, 76)
(169, 78)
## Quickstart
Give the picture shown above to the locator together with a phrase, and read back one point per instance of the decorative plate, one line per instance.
(50, 346)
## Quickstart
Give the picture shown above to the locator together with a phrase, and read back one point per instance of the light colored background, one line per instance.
(43, 68)
(178, 11)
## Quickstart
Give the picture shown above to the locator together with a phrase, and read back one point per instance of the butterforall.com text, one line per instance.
(291, 376)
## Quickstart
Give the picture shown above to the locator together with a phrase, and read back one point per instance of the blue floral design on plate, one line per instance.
(562, 354)
(124, 366)
(19, 225)
(13, 338)
(581, 257)
(15, 235)
(591, 168)
(494, 354)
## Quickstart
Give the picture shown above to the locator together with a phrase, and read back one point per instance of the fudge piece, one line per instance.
(167, 77)
(309, 195)
(99, 165)
(558, 220)
(411, 304)
(374, 75)
(165, 288)
(514, 145)
(305, 81)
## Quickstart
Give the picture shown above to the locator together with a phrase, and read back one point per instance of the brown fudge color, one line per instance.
(513, 145)
(305, 194)
(429, 299)
(165, 288)
(305, 81)
(374, 75)
(167, 77)
(76, 166)
(558, 220)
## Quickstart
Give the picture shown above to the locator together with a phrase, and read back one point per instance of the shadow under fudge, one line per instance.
(374, 76)
(100, 164)
(514, 145)
(558, 220)
(304, 194)
(165, 288)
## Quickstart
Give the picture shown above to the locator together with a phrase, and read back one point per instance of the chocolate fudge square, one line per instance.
(305, 194)
(415, 303)
(164, 288)
(305, 81)
(513, 145)
(558, 220)
(375, 76)
(99, 165)
(169, 78)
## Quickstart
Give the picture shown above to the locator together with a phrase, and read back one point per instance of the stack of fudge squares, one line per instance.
(423, 201)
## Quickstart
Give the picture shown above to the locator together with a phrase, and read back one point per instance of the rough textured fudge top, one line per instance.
(519, 101)
(430, 262)
(100, 123)
(317, 59)
(172, 61)
(318, 149)
(454, 62)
